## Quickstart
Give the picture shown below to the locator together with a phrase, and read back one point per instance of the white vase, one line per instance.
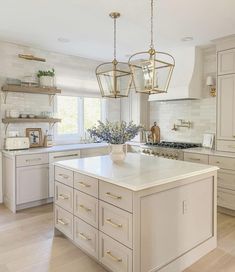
(46, 81)
(117, 153)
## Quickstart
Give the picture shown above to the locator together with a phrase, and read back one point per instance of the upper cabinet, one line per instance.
(226, 62)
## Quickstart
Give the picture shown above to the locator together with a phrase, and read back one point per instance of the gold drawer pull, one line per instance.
(114, 258)
(31, 160)
(84, 237)
(85, 208)
(64, 197)
(218, 162)
(113, 196)
(84, 184)
(64, 176)
(110, 222)
(194, 159)
(62, 222)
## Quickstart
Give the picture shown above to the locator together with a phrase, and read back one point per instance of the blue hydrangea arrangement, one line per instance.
(114, 132)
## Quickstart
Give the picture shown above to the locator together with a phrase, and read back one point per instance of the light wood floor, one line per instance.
(27, 245)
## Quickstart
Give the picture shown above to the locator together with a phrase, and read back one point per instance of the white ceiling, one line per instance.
(87, 25)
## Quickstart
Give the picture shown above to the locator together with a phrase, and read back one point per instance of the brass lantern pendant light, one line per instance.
(114, 78)
(152, 70)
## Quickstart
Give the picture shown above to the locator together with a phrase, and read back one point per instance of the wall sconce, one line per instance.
(211, 83)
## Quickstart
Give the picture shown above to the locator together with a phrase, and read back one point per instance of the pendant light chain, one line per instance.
(115, 38)
(151, 23)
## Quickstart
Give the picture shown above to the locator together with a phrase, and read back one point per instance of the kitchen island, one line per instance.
(144, 214)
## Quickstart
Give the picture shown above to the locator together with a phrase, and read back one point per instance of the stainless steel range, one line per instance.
(170, 150)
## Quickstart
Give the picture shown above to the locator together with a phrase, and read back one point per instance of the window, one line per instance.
(77, 114)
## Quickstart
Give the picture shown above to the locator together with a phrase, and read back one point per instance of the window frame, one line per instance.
(76, 138)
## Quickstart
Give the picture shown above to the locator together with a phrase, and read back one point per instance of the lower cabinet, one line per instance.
(32, 183)
(64, 221)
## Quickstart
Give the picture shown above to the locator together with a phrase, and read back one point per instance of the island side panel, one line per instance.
(167, 217)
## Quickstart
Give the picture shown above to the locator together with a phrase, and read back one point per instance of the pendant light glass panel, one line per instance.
(152, 71)
(114, 79)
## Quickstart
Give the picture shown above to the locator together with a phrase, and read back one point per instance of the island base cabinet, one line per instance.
(32, 183)
(114, 255)
(86, 237)
(178, 223)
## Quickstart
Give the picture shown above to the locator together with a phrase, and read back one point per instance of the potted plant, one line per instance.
(46, 78)
(116, 134)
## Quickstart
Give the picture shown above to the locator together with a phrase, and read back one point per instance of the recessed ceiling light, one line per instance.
(187, 39)
(63, 40)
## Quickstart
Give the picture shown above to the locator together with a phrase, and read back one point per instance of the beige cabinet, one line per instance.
(226, 110)
(226, 62)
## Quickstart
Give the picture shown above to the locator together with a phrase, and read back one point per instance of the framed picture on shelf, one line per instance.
(35, 136)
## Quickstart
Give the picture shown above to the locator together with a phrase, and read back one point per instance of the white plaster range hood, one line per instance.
(186, 82)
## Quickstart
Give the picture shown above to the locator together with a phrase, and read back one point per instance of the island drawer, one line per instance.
(118, 196)
(64, 176)
(32, 159)
(226, 198)
(226, 179)
(116, 223)
(114, 255)
(64, 221)
(86, 184)
(222, 162)
(197, 158)
(86, 237)
(86, 208)
(64, 196)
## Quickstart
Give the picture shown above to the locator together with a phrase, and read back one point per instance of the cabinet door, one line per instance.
(226, 108)
(32, 183)
(226, 62)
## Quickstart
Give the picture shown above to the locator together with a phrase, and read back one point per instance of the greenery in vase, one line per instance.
(114, 132)
(50, 73)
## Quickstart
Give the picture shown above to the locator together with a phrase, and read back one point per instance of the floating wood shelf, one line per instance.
(30, 120)
(30, 89)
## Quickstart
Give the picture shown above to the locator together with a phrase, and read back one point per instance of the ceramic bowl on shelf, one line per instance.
(14, 114)
(23, 115)
(31, 115)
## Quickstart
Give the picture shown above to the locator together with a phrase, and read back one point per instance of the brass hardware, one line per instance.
(213, 92)
(113, 196)
(114, 78)
(194, 159)
(114, 258)
(62, 222)
(31, 57)
(64, 197)
(64, 176)
(183, 123)
(218, 162)
(110, 222)
(85, 208)
(36, 159)
(84, 237)
(84, 184)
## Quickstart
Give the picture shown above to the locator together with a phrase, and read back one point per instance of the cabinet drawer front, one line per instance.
(226, 198)
(64, 176)
(33, 159)
(223, 162)
(86, 237)
(116, 223)
(116, 195)
(86, 208)
(86, 184)
(113, 255)
(64, 221)
(64, 196)
(228, 146)
(226, 179)
(197, 158)
(226, 62)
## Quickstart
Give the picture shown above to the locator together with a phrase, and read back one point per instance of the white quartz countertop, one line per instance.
(206, 151)
(56, 148)
(137, 172)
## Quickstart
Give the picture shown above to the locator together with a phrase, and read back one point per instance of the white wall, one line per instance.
(202, 113)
